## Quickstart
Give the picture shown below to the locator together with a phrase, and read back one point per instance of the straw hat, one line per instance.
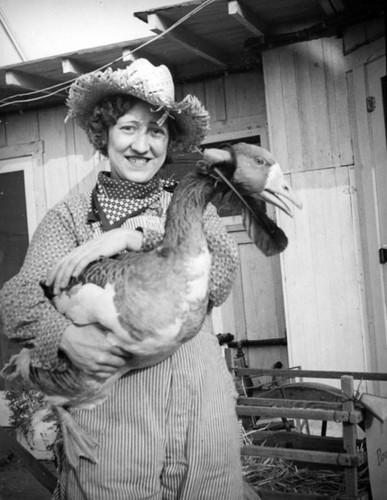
(152, 84)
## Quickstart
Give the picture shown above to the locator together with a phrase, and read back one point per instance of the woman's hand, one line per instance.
(106, 245)
(88, 348)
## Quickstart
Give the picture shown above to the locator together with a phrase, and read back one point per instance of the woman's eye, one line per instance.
(129, 128)
(158, 132)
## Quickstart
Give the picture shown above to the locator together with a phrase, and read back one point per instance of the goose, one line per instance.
(149, 303)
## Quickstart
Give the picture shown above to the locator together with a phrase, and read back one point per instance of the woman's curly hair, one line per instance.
(106, 114)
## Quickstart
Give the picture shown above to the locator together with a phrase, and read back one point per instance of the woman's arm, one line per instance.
(106, 245)
(224, 253)
(29, 317)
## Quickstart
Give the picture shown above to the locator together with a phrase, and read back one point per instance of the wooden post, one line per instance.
(349, 438)
(38, 470)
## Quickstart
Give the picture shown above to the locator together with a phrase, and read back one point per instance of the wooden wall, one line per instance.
(309, 131)
(64, 162)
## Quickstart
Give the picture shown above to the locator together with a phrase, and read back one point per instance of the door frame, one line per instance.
(33, 151)
(375, 307)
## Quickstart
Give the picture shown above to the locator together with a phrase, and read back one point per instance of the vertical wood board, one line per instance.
(276, 111)
(52, 132)
(22, 128)
(3, 139)
(196, 89)
(337, 104)
(244, 95)
(216, 99)
(307, 105)
(312, 68)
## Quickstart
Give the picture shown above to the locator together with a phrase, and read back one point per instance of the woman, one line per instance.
(168, 431)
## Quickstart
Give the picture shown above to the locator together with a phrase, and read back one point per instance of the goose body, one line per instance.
(150, 303)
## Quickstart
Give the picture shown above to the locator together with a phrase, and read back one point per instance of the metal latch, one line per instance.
(383, 255)
(371, 103)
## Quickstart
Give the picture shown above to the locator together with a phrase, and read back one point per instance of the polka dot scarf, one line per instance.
(113, 201)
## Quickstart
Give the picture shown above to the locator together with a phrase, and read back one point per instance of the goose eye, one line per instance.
(259, 160)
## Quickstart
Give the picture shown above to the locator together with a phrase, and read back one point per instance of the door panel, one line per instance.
(254, 311)
(365, 69)
(375, 71)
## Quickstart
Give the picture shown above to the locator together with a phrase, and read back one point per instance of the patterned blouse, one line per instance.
(29, 318)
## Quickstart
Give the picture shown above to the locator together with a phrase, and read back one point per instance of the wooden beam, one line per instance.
(30, 82)
(73, 67)
(331, 7)
(326, 7)
(319, 457)
(305, 413)
(158, 24)
(246, 17)
(338, 5)
(289, 403)
(257, 372)
(41, 473)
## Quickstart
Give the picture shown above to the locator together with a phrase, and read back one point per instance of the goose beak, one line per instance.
(277, 190)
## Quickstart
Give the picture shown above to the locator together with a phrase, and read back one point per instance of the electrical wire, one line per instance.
(7, 101)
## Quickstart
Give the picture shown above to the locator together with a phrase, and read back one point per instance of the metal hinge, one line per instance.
(371, 103)
(383, 255)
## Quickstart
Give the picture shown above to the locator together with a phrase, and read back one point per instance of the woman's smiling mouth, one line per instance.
(137, 160)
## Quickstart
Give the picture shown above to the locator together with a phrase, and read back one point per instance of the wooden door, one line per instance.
(15, 176)
(375, 71)
(254, 311)
(365, 70)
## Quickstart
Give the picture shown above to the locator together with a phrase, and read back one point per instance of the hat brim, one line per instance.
(191, 118)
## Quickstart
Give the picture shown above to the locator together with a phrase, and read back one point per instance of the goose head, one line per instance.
(256, 177)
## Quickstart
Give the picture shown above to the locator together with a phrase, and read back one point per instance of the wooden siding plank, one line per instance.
(244, 95)
(3, 138)
(71, 157)
(275, 105)
(21, 128)
(52, 132)
(196, 89)
(215, 98)
(39, 187)
(337, 103)
(314, 120)
(294, 160)
(86, 162)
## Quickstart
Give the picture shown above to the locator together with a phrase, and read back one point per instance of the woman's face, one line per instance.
(137, 144)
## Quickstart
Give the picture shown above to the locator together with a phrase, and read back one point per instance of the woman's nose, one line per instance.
(140, 142)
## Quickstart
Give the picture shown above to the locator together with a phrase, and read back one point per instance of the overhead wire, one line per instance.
(10, 100)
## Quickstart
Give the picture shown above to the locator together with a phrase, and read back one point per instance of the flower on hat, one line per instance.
(152, 84)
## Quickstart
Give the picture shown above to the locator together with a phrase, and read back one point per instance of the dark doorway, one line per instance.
(13, 240)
